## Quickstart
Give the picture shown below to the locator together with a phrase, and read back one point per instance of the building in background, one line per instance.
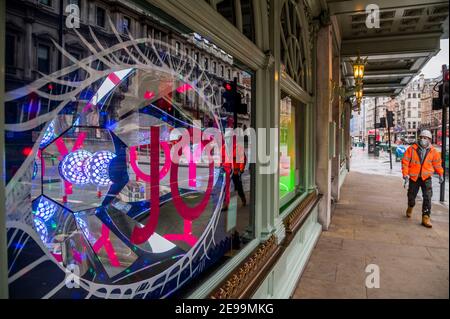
(408, 113)
(34, 26)
(431, 119)
(369, 115)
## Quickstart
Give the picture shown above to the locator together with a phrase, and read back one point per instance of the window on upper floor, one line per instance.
(10, 50)
(177, 48)
(43, 58)
(46, 2)
(126, 24)
(100, 16)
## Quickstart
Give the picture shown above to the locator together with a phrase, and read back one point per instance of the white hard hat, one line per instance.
(426, 133)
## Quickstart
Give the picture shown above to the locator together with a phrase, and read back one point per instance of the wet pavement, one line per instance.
(366, 163)
(369, 228)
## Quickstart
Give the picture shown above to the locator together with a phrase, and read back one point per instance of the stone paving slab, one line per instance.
(413, 260)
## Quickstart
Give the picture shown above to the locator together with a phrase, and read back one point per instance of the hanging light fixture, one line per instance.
(358, 74)
(359, 92)
(358, 67)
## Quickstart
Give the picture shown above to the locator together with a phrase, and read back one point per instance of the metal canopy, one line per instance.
(408, 37)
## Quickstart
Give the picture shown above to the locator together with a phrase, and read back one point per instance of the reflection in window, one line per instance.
(43, 55)
(46, 2)
(98, 153)
(126, 25)
(10, 50)
(100, 17)
(177, 48)
(289, 150)
(247, 19)
(226, 8)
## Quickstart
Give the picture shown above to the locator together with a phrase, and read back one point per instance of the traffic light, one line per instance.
(443, 98)
(229, 96)
(233, 99)
(390, 118)
(445, 89)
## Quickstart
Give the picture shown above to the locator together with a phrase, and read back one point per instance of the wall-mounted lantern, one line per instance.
(358, 68)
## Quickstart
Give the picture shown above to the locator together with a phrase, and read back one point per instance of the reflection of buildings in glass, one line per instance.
(33, 27)
(287, 146)
(218, 67)
(30, 50)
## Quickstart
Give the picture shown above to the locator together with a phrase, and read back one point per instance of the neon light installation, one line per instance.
(97, 168)
(45, 209)
(71, 167)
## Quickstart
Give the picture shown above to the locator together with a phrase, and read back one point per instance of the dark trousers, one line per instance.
(237, 182)
(427, 194)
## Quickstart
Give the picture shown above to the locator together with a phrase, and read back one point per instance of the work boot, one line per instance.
(409, 212)
(426, 221)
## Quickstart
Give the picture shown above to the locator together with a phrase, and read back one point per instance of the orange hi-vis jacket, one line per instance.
(237, 162)
(411, 163)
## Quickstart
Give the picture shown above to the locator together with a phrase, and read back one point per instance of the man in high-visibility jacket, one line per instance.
(419, 163)
(234, 165)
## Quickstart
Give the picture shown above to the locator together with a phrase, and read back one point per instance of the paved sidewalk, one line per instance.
(369, 226)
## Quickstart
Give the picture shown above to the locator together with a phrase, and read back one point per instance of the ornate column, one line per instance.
(267, 101)
(336, 117)
(323, 120)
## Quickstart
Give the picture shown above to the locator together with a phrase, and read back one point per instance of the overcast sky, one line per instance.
(433, 68)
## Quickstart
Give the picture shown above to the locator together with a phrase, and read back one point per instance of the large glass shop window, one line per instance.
(289, 156)
(112, 191)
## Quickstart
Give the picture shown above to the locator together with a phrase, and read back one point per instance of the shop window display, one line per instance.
(290, 144)
(96, 191)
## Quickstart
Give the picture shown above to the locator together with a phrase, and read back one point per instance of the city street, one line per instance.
(413, 261)
(369, 164)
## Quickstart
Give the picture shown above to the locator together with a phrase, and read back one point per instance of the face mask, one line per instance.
(424, 142)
